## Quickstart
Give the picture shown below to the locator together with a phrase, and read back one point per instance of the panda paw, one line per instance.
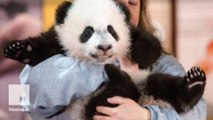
(195, 79)
(18, 50)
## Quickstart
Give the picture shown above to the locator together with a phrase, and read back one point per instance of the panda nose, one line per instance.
(104, 47)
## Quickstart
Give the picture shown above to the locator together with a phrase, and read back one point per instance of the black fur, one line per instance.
(145, 51)
(61, 12)
(43, 47)
(112, 32)
(175, 90)
(87, 33)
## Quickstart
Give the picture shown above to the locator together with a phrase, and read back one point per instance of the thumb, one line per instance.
(116, 100)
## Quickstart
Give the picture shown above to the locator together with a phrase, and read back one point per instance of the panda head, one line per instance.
(94, 30)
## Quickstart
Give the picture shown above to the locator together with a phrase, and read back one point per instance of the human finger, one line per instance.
(106, 110)
(98, 117)
(116, 100)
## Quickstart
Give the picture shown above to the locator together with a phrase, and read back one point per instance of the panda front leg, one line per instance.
(33, 50)
(181, 92)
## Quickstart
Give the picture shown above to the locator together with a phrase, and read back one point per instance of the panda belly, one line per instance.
(140, 77)
(145, 100)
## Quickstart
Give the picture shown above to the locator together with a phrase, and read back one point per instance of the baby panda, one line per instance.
(98, 31)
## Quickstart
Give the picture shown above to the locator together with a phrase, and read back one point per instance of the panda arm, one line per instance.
(33, 50)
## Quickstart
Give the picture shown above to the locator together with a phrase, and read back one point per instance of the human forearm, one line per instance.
(197, 113)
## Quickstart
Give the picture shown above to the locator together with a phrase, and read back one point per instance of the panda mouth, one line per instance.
(101, 58)
(98, 56)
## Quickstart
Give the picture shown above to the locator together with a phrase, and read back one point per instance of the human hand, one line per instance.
(127, 109)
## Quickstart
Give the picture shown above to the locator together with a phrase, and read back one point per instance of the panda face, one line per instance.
(95, 30)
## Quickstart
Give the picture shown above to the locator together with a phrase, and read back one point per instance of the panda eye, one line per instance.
(87, 33)
(112, 32)
(110, 29)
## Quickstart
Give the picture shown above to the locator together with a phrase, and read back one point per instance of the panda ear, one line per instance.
(61, 12)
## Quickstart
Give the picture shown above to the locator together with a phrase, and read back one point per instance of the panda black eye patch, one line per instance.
(111, 30)
(87, 33)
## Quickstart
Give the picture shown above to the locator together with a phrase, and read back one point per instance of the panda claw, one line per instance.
(17, 51)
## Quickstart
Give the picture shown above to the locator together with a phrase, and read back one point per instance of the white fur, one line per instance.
(139, 75)
(99, 16)
(149, 100)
